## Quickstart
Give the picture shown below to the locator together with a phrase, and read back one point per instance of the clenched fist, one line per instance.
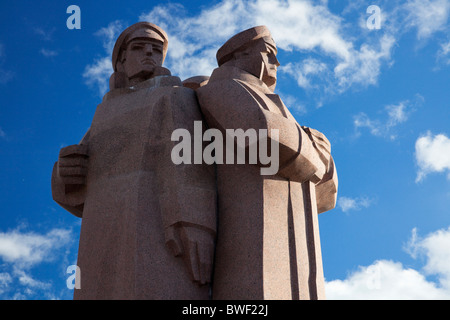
(72, 164)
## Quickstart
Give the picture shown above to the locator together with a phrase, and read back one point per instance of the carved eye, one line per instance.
(136, 47)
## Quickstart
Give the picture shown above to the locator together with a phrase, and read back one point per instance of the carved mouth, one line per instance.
(148, 62)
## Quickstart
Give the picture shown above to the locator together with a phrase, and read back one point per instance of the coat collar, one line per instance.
(234, 73)
(155, 82)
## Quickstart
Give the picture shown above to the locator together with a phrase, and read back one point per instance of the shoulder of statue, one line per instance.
(221, 89)
(159, 81)
(152, 83)
(231, 73)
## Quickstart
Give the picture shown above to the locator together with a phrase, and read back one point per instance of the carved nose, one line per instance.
(275, 60)
(148, 49)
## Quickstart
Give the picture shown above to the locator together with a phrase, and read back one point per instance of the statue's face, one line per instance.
(259, 59)
(271, 63)
(141, 58)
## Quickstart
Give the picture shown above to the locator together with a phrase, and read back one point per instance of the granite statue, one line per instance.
(153, 229)
(268, 244)
(148, 226)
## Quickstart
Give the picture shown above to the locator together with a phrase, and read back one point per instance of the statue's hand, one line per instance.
(196, 245)
(322, 143)
(72, 164)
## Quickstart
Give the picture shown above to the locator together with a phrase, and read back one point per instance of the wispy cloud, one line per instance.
(48, 53)
(387, 279)
(5, 281)
(98, 73)
(304, 71)
(44, 33)
(336, 55)
(5, 75)
(22, 251)
(331, 54)
(432, 155)
(347, 204)
(428, 16)
(435, 247)
(395, 114)
(293, 103)
(443, 54)
(364, 65)
(27, 249)
(361, 120)
(109, 35)
(398, 113)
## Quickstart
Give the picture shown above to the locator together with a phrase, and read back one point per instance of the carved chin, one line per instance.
(144, 72)
(270, 81)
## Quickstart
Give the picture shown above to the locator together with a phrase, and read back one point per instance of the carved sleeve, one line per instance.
(67, 196)
(187, 193)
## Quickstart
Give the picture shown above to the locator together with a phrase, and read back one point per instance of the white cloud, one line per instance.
(446, 48)
(20, 252)
(98, 73)
(364, 65)
(361, 120)
(45, 34)
(336, 55)
(292, 103)
(395, 115)
(5, 281)
(109, 35)
(299, 25)
(26, 280)
(355, 6)
(386, 279)
(5, 75)
(28, 249)
(432, 155)
(332, 55)
(428, 16)
(194, 53)
(347, 204)
(303, 71)
(436, 248)
(48, 53)
(444, 53)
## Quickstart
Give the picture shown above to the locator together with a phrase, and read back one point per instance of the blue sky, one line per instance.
(382, 97)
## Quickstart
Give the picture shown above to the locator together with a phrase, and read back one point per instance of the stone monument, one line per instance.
(268, 244)
(153, 229)
(148, 225)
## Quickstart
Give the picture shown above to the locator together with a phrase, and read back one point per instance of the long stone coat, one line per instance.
(268, 244)
(134, 192)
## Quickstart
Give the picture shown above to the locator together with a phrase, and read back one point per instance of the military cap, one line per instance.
(239, 40)
(139, 30)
